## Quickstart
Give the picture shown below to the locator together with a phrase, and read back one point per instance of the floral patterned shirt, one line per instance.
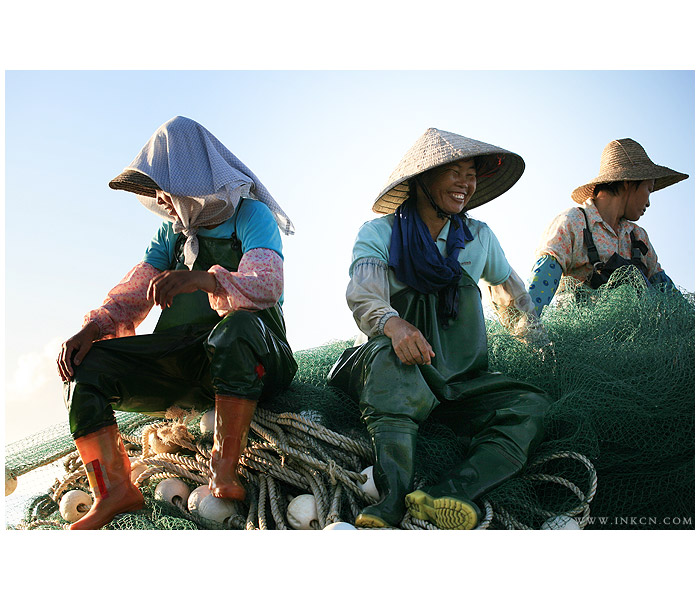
(563, 239)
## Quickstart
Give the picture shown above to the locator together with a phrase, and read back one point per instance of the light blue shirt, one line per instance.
(482, 258)
(253, 223)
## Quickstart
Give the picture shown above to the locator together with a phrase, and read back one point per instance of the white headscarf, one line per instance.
(203, 178)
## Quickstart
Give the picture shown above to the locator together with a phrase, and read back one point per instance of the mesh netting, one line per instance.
(618, 451)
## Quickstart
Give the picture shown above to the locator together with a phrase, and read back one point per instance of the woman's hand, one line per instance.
(166, 285)
(74, 349)
(408, 342)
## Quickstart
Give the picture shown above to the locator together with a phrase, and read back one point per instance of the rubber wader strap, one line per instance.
(639, 249)
(593, 256)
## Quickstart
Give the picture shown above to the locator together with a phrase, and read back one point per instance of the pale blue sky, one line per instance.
(323, 143)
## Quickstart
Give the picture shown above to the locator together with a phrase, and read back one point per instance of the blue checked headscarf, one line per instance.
(204, 179)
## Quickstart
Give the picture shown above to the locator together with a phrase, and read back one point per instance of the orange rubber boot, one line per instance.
(233, 417)
(109, 473)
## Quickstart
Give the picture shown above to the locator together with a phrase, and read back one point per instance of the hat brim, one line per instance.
(488, 186)
(662, 176)
(134, 181)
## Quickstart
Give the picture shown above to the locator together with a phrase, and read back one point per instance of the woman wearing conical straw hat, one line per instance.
(414, 292)
(591, 241)
(215, 269)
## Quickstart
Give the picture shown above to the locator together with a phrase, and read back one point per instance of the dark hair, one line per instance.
(488, 164)
(613, 187)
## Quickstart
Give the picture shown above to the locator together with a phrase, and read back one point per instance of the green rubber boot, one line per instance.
(449, 504)
(394, 449)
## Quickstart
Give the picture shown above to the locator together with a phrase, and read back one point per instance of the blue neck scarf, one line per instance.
(417, 262)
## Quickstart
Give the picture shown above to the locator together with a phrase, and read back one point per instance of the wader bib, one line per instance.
(603, 270)
(499, 419)
(191, 355)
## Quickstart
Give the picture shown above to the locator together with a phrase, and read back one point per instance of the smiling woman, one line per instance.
(447, 190)
(413, 292)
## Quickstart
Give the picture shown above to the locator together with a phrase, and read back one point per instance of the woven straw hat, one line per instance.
(626, 160)
(435, 148)
(136, 182)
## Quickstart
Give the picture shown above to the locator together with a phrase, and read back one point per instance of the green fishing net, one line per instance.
(618, 451)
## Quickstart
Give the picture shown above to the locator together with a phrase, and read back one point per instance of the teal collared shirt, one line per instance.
(482, 258)
(254, 225)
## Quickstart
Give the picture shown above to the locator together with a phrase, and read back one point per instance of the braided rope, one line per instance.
(309, 457)
(583, 509)
(273, 492)
(262, 482)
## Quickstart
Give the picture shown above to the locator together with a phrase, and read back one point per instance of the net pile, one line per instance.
(618, 451)
(621, 367)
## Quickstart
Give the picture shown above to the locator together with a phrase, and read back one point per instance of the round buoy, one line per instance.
(136, 470)
(206, 423)
(171, 488)
(10, 483)
(368, 486)
(560, 522)
(302, 512)
(197, 495)
(215, 509)
(74, 505)
(339, 525)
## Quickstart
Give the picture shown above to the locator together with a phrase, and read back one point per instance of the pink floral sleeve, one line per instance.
(125, 306)
(257, 284)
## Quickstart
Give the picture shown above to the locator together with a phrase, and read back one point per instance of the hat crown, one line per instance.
(626, 160)
(623, 154)
(437, 147)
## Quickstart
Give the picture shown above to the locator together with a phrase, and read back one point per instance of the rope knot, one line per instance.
(333, 471)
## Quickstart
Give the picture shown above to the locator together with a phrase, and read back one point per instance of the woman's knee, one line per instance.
(88, 408)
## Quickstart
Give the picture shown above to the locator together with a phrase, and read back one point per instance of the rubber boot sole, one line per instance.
(367, 520)
(445, 513)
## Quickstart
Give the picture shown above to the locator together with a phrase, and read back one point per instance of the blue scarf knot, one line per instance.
(417, 262)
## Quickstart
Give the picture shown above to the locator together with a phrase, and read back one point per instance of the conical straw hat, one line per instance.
(436, 147)
(626, 160)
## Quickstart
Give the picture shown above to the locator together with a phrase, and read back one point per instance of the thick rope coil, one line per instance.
(488, 516)
(41, 523)
(582, 509)
(352, 501)
(305, 455)
(334, 513)
(593, 477)
(163, 469)
(307, 426)
(252, 493)
(166, 457)
(258, 460)
(57, 490)
(319, 495)
(72, 461)
(262, 519)
(274, 503)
